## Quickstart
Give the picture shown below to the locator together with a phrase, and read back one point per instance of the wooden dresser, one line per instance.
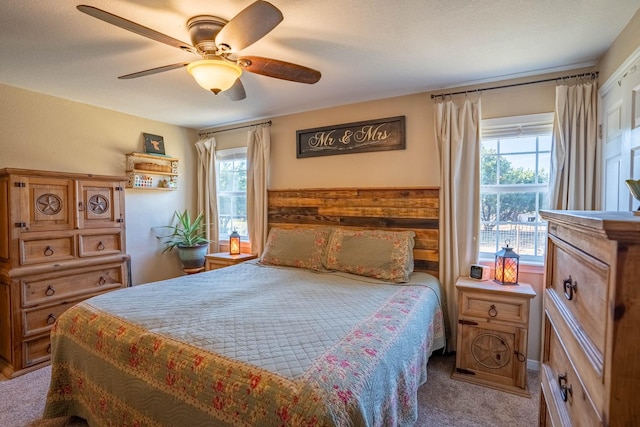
(591, 336)
(62, 241)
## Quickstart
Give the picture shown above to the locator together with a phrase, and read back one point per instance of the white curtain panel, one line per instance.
(258, 149)
(207, 193)
(457, 131)
(573, 181)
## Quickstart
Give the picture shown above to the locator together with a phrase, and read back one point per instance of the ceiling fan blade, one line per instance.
(236, 92)
(279, 69)
(135, 28)
(154, 71)
(248, 26)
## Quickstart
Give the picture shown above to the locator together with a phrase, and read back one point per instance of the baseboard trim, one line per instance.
(533, 365)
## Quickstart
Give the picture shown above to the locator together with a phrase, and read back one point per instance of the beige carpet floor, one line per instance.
(443, 401)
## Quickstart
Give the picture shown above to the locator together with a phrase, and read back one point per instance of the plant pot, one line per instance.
(193, 256)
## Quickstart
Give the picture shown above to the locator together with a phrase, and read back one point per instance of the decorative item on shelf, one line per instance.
(507, 266)
(153, 144)
(152, 167)
(634, 189)
(234, 243)
(142, 181)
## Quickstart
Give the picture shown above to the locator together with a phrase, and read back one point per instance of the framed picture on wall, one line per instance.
(153, 144)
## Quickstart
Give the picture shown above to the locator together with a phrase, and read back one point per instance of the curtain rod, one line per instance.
(592, 75)
(235, 128)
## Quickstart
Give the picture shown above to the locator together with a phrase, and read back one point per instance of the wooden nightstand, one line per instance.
(493, 321)
(223, 259)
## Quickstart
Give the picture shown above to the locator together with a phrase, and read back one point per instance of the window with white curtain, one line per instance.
(515, 158)
(231, 175)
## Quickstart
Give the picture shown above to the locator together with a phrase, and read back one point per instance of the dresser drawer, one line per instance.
(36, 351)
(494, 307)
(34, 251)
(46, 288)
(580, 283)
(564, 390)
(40, 320)
(99, 244)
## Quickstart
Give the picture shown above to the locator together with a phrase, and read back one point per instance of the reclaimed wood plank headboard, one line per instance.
(411, 208)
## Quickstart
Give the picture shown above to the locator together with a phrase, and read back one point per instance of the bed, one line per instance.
(332, 326)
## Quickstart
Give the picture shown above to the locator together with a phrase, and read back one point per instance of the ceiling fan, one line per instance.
(216, 40)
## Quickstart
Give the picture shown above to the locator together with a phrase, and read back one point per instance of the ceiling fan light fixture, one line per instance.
(214, 75)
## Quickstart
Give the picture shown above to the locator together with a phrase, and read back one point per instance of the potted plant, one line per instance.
(189, 237)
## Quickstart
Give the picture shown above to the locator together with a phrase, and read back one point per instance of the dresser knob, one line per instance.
(50, 291)
(100, 246)
(101, 281)
(492, 311)
(565, 390)
(48, 251)
(49, 349)
(570, 287)
(51, 319)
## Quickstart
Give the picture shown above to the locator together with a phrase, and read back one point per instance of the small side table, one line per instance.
(224, 259)
(493, 321)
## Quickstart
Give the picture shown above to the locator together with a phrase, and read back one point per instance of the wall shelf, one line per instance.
(152, 172)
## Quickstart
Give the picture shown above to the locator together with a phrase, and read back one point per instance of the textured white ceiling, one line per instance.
(365, 49)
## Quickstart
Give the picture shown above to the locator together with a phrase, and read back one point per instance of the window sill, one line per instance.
(525, 267)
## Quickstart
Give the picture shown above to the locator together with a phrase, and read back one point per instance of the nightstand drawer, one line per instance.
(223, 259)
(494, 307)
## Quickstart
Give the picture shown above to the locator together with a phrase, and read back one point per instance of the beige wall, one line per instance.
(624, 45)
(43, 132)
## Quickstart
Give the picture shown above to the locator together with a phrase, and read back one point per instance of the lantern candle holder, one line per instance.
(234, 243)
(507, 266)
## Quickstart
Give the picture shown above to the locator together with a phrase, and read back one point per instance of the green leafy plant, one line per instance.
(186, 233)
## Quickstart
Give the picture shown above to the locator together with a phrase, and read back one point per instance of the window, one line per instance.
(515, 158)
(231, 175)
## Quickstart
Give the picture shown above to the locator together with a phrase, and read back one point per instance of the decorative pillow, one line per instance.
(385, 255)
(296, 247)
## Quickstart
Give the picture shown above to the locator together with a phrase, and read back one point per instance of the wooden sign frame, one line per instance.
(359, 137)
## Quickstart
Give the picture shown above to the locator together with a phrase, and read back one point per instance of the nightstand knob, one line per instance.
(492, 311)
(50, 291)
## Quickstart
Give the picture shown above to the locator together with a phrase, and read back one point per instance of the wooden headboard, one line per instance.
(409, 208)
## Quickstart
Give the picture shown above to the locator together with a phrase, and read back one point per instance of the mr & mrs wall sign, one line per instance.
(373, 135)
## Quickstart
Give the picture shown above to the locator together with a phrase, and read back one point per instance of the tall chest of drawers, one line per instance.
(62, 241)
(591, 335)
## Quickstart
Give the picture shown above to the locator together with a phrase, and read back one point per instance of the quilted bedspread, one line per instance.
(248, 345)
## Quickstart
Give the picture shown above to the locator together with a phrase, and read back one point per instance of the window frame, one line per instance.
(225, 155)
(508, 128)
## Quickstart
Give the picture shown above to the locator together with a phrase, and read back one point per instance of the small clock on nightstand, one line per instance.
(224, 259)
(493, 321)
